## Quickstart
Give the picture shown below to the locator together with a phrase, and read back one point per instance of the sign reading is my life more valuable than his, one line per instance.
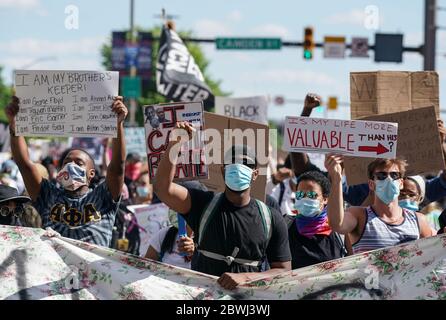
(347, 137)
(159, 121)
(66, 103)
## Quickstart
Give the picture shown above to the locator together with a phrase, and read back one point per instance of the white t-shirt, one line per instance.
(173, 258)
(287, 205)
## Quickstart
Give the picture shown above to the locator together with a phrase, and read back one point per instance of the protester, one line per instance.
(238, 233)
(311, 239)
(382, 224)
(74, 210)
(141, 190)
(11, 206)
(432, 214)
(11, 176)
(167, 246)
(133, 165)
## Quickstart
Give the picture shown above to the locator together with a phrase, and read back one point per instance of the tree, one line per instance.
(5, 97)
(150, 95)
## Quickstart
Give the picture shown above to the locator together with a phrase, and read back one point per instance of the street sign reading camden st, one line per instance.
(249, 43)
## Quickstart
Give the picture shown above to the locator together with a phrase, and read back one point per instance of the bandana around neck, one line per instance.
(310, 226)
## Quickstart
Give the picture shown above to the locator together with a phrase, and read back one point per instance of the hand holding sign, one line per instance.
(120, 109)
(333, 164)
(11, 111)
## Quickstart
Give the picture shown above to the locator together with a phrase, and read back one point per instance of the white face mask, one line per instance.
(72, 177)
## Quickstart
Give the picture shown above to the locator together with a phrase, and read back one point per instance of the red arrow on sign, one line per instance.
(379, 149)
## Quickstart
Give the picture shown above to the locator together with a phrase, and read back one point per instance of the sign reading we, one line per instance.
(66, 103)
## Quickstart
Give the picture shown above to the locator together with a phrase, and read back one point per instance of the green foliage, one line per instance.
(150, 95)
(5, 97)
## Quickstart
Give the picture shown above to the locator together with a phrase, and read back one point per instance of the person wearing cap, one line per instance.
(235, 232)
(11, 206)
(73, 207)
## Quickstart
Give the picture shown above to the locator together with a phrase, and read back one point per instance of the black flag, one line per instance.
(177, 75)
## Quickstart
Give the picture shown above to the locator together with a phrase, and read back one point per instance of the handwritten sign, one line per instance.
(66, 103)
(252, 108)
(418, 143)
(151, 218)
(348, 137)
(159, 120)
(135, 141)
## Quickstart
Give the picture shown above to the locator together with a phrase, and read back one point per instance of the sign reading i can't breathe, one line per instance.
(66, 103)
(251, 109)
(370, 139)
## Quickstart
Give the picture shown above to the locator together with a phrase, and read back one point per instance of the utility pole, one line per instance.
(133, 71)
(430, 29)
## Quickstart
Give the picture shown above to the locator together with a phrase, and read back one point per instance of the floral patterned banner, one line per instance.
(35, 266)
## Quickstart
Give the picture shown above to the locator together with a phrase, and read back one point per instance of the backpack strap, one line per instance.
(266, 215)
(207, 215)
(282, 192)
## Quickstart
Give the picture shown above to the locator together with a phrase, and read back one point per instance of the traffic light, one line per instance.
(308, 43)
(332, 103)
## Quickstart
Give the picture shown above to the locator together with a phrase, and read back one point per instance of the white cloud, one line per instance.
(271, 30)
(235, 16)
(287, 76)
(19, 4)
(211, 28)
(37, 47)
(354, 16)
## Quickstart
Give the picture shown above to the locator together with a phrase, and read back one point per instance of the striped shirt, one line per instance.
(89, 218)
(379, 234)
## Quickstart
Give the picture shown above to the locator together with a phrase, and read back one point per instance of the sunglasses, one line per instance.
(383, 175)
(309, 194)
(17, 211)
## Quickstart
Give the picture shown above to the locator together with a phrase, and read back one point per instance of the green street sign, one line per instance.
(131, 87)
(248, 43)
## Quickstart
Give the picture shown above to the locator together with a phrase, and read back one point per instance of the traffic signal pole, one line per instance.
(430, 28)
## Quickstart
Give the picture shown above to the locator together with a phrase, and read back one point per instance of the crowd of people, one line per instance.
(310, 214)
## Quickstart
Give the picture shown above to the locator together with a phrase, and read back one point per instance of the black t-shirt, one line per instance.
(308, 251)
(232, 227)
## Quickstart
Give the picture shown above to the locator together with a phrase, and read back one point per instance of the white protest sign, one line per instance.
(135, 141)
(66, 103)
(251, 108)
(370, 139)
(151, 217)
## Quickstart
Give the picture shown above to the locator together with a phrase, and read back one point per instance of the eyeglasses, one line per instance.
(17, 211)
(310, 195)
(383, 175)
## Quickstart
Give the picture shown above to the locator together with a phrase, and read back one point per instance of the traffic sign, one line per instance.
(334, 47)
(360, 47)
(131, 87)
(248, 43)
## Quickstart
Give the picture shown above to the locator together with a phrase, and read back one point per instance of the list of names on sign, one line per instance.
(66, 103)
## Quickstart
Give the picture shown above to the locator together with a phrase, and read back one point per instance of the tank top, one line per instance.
(379, 234)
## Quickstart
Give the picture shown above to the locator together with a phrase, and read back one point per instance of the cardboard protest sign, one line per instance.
(216, 151)
(347, 137)
(392, 91)
(252, 108)
(418, 143)
(66, 103)
(159, 122)
(135, 141)
(94, 146)
(151, 218)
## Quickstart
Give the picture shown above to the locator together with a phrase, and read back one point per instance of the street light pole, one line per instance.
(133, 71)
(430, 30)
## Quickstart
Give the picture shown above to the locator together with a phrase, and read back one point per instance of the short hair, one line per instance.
(319, 178)
(66, 152)
(241, 154)
(382, 163)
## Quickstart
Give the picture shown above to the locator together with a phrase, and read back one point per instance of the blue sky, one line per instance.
(33, 29)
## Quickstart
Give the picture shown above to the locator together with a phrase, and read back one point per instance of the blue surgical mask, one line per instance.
(308, 207)
(387, 190)
(409, 204)
(238, 177)
(142, 191)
